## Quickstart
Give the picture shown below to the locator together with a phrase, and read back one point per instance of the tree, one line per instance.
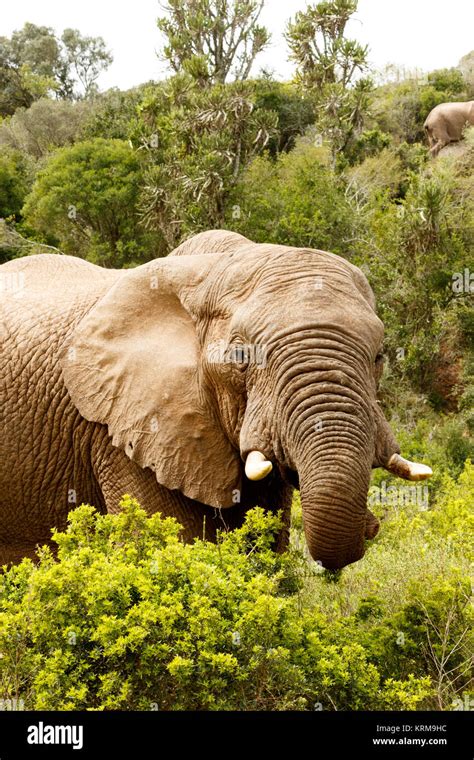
(46, 125)
(447, 80)
(295, 113)
(213, 39)
(15, 182)
(37, 47)
(195, 144)
(318, 46)
(327, 63)
(35, 62)
(85, 201)
(18, 87)
(30, 66)
(26, 67)
(87, 57)
(111, 112)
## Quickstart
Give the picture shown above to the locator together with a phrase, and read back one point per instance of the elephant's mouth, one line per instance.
(291, 477)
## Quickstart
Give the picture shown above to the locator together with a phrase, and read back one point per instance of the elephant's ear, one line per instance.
(133, 364)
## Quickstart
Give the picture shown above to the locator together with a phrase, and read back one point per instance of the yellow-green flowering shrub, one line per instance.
(128, 617)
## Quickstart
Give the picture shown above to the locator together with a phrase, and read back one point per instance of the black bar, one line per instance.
(308, 734)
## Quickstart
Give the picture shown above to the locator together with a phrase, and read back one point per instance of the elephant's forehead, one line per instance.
(268, 317)
(317, 311)
(296, 281)
(276, 268)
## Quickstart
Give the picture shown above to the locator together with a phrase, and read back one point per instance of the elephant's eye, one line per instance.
(238, 354)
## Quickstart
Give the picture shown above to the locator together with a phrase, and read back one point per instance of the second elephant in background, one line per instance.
(446, 124)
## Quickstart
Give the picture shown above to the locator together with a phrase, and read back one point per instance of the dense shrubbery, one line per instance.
(295, 200)
(45, 126)
(413, 248)
(194, 145)
(16, 176)
(85, 201)
(128, 617)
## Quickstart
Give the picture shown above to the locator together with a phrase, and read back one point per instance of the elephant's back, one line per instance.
(52, 274)
(457, 109)
(42, 298)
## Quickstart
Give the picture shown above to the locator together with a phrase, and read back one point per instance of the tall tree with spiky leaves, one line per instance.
(213, 40)
(327, 65)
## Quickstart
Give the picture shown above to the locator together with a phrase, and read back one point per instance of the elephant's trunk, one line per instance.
(334, 498)
(329, 441)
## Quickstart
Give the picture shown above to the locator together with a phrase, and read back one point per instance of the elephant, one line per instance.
(446, 123)
(203, 384)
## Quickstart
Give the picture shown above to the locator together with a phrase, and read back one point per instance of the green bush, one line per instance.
(112, 113)
(45, 126)
(16, 176)
(431, 634)
(128, 617)
(369, 143)
(296, 200)
(296, 112)
(408, 602)
(84, 200)
(378, 175)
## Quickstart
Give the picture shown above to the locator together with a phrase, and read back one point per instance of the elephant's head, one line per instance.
(229, 357)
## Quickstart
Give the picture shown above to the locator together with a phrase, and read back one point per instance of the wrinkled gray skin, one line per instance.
(110, 385)
(446, 123)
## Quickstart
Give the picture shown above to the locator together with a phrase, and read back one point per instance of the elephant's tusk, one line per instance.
(408, 470)
(256, 466)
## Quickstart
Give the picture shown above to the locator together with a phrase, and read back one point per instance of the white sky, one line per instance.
(423, 34)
